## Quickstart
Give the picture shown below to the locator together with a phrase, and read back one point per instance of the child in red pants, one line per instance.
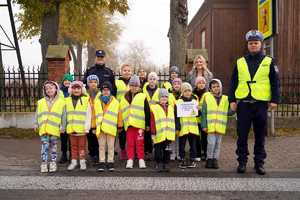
(136, 119)
(79, 117)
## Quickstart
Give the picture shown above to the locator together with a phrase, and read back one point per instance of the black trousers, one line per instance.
(203, 143)
(93, 145)
(160, 153)
(65, 144)
(148, 146)
(122, 139)
(192, 142)
(248, 114)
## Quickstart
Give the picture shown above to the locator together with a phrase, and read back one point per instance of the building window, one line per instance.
(203, 39)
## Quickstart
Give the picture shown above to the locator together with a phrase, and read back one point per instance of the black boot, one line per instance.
(215, 164)
(260, 170)
(160, 167)
(63, 158)
(241, 169)
(209, 164)
(165, 168)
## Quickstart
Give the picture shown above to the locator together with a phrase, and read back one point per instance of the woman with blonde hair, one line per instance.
(199, 69)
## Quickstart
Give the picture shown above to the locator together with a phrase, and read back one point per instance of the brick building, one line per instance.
(220, 25)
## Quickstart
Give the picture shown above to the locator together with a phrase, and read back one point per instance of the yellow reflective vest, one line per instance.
(154, 99)
(217, 115)
(200, 105)
(133, 114)
(188, 124)
(167, 85)
(76, 116)
(164, 124)
(122, 88)
(260, 84)
(109, 122)
(49, 121)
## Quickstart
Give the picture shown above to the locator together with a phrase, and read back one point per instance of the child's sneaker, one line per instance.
(142, 164)
(129, 164)
(44, 167)
(192, 164)
(72, 165)
(209, 164)
(215, 164)
(110, 167)
(198, 159)
(82, 164)
(182, 165)
(52, 167)
(101, 167)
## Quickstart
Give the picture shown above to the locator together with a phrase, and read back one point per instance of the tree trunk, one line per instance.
(79, 57)
(177, 33)
(91, 56)
(49, 34)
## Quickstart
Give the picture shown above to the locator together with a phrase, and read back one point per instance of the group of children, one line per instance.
(142, 115)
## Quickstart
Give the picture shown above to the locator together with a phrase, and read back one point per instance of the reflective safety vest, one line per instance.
(172, 99)
(122, 88)
(49, 121)
(216, 114)
(109, 122)
(154, 99)
(76, 116)
(188, 124)
(133, 114)
(260, 85)
(200, 105)
(167, 85)
(164, 124)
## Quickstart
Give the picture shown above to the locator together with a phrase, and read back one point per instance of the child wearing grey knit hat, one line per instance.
(134, 81)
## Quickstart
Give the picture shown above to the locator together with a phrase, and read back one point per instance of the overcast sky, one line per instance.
(147, 21)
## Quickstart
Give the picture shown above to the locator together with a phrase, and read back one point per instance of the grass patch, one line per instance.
(18, 133)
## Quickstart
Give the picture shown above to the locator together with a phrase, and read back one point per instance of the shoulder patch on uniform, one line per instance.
(276, 68)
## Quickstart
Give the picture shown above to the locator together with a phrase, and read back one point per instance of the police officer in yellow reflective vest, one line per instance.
(162, 126)
(254, 88)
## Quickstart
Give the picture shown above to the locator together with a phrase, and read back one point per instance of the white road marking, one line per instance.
(149, 183)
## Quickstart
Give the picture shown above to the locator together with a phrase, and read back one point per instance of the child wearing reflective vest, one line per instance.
(135, 108)
(107, 126)
(201, 144)
(65, 145)
(162, 129)
(187, 128)
(79, 114)
(49, 123)
(174, 73)
(93, 91)
(174, 94)
(151, 90)
(214, 114)
(122, 88)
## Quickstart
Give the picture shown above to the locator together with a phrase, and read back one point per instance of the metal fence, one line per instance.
(12, 98)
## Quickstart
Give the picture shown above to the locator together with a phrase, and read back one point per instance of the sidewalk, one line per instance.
(283, 155)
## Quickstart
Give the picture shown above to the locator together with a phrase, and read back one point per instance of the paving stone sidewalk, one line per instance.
(283, 155)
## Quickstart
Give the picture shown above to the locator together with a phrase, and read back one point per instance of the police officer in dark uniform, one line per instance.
(104, 73)
(254, 89)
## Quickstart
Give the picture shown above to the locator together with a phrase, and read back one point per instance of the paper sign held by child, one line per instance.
(187, 109)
